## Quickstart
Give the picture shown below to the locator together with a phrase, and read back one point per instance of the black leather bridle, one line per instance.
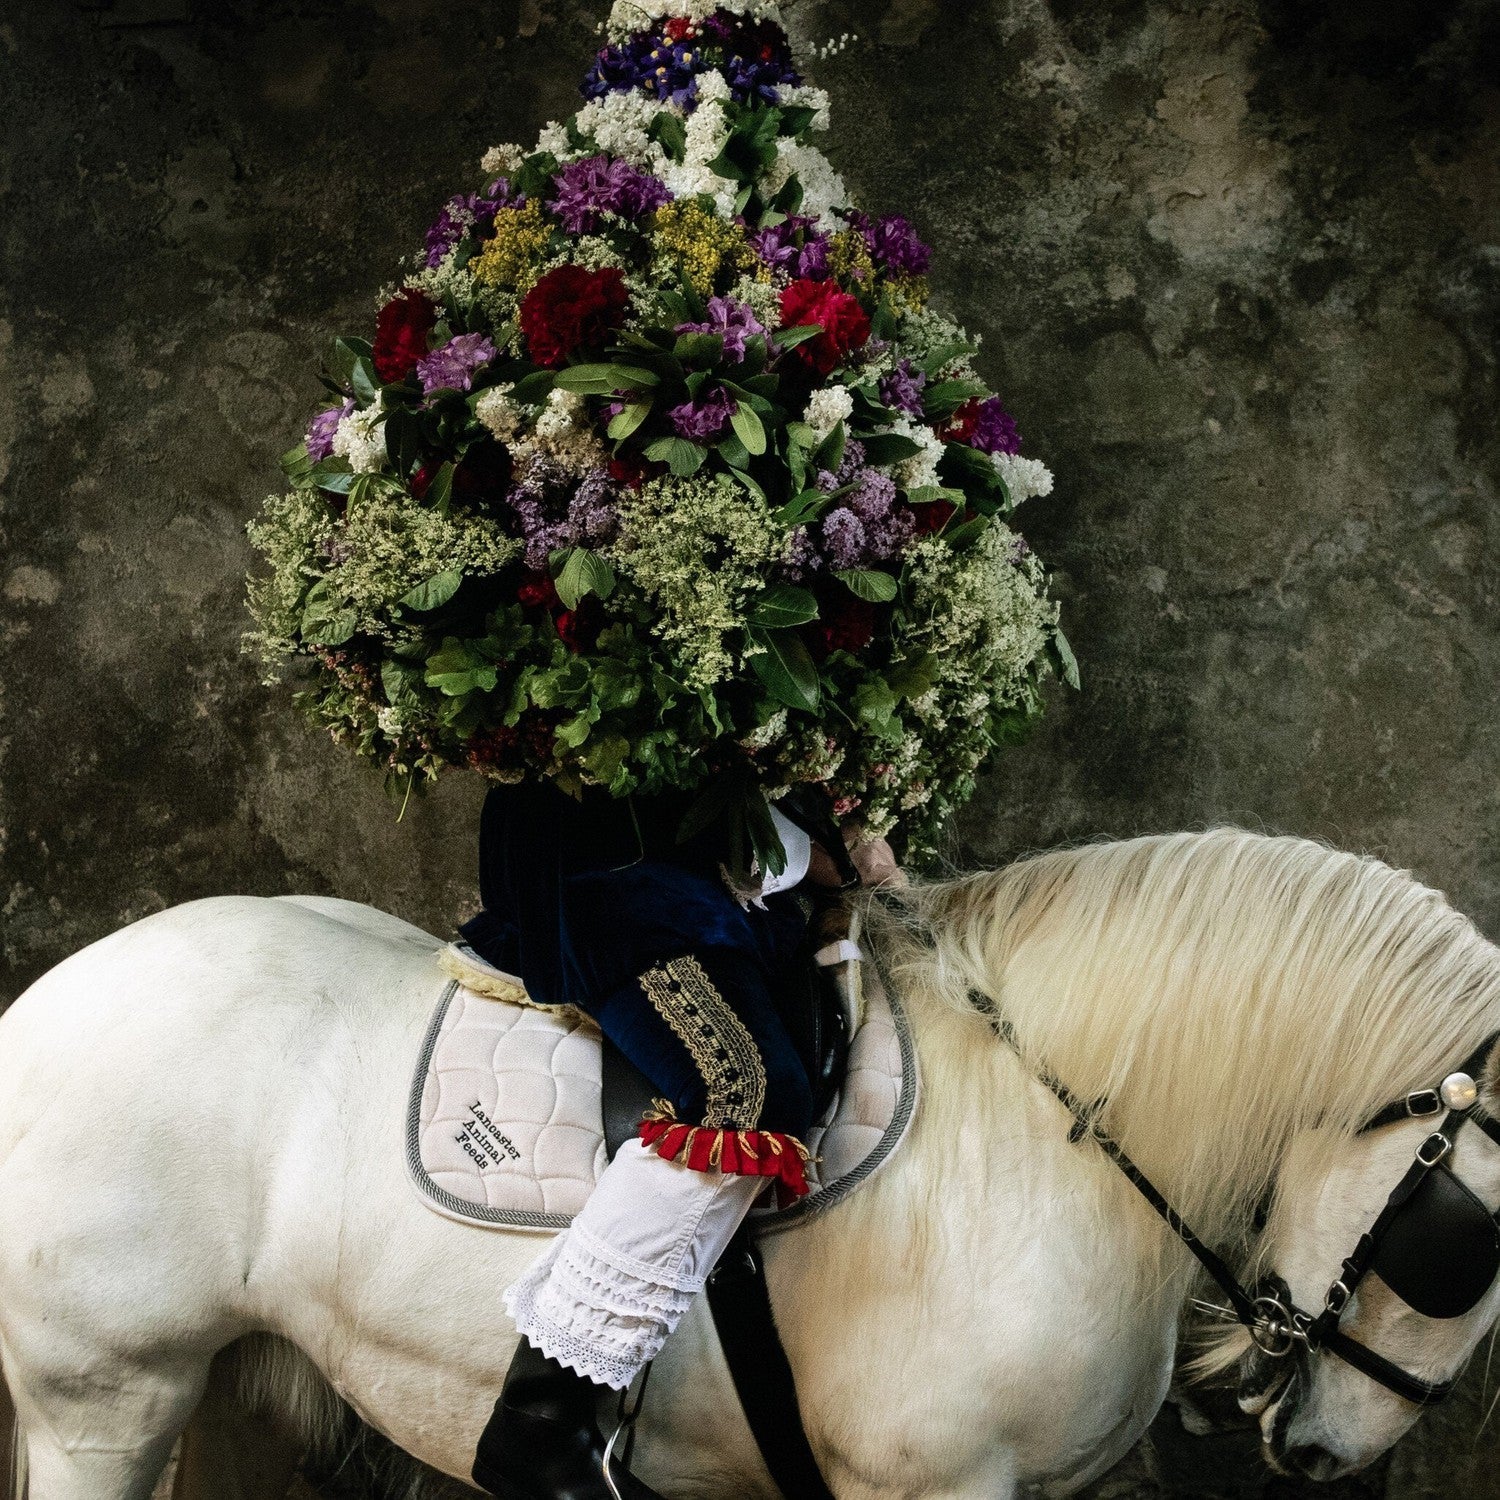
(1428, 1208)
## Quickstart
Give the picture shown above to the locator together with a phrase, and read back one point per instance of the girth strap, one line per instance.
(741, 1305)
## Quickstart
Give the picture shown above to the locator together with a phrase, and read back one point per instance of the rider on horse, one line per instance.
(596, 904)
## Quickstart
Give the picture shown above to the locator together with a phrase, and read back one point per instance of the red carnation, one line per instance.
(630, 469)
(538, 592)
(571, 311)
(932, 516)
(845, 324)
(848, 626)
(401, 330)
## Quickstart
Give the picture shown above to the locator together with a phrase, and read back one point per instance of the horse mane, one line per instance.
(1220, 992)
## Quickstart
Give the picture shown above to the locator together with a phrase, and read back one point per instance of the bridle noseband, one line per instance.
(1427, 1200)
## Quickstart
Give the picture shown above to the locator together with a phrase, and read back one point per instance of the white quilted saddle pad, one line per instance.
(505, 1121)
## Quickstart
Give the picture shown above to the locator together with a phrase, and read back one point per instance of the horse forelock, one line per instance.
(1221, 992)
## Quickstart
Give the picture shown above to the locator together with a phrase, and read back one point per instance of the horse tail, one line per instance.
(274, 1378)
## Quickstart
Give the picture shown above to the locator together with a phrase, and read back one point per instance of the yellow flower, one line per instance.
(908, 293)
(701, 241)
(850, 262)
(520, 237)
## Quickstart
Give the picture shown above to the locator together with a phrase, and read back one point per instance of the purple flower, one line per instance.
(995, 429)
(321, 429)
(733, 320)
(703, 420)
(588, 189)
(844, 538)
(758, 61)
(794, 247)
(465, 212)
(893, 243)
(665, 68)
(554, 512)
(802, 555)
(452, 367)
(901, 390)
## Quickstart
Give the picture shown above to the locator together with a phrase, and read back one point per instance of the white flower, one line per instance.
(554, 138)
(808, 97)
(502, 159)
(713, 87)
(921, 469)
(762, 297)
(629, 16)
(499, 413)
(823, 189)
(562, 434)
(360, 438)
(620, 125)
(1024, 477)
(828, 408)
(564, 412)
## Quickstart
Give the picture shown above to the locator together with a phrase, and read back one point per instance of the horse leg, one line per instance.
(105, 1440)
(229, 1452)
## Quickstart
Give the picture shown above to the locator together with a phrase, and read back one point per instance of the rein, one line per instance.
(1276, 1325)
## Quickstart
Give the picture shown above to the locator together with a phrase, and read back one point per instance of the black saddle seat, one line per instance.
(811, 1008)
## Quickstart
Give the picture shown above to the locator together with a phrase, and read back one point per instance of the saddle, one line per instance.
(516, 1109)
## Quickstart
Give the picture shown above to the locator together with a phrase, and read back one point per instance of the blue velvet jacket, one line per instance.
(582, 896)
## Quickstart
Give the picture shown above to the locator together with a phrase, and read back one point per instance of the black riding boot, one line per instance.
(543, 1440)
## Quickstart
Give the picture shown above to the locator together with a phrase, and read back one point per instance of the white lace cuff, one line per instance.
(592, 1316)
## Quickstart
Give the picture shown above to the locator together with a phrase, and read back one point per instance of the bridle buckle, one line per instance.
(1433, 1149)
(1423, 1102)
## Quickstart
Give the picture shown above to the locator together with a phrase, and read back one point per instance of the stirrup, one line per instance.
(630, 1412)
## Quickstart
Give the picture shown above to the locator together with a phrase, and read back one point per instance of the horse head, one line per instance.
(1389, 1235)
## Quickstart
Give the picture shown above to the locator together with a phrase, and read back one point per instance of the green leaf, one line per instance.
(700, 348)
(1067, 663)
(789, 338)
(333, 474)
(604, 380)
(867, 583)
(914, 675)
(943, 399)
(440, 491)
(433, 592)
(403, 439)
(830, 452)
(803, 508)
(455, 669)
(751, 487)
(786, 668)
(886, 448)
(945, 355)
(297, 466)
(749, 429)
(733, 452)
(365, 382)
(670, 133)
(579, 572)
(626, 422)
(925, 494)
(533, 389)
(796, 118)
(782, 605)
(681, 456)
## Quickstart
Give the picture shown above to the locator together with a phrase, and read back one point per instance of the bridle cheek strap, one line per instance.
(1276, 1326)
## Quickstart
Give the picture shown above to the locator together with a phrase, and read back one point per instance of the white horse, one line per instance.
(201, 1182)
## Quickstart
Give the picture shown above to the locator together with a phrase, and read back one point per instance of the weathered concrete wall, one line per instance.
(1238, 266)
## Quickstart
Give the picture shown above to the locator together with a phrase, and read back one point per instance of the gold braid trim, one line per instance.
(720, 1044)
